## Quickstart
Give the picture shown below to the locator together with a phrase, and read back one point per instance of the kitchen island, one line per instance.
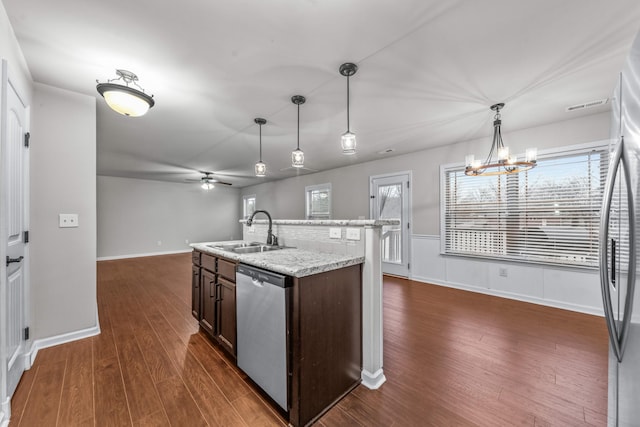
(323, 318)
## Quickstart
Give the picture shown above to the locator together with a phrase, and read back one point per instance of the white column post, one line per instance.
(372, 374)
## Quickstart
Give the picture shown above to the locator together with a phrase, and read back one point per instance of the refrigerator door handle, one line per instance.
(618, 336)
(604, 252)
(631, 269)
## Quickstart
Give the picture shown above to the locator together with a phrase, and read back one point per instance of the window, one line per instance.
(248, 205)
(318, 201)
(549, 214)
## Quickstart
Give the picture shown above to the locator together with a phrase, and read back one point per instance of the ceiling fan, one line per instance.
(208, 181)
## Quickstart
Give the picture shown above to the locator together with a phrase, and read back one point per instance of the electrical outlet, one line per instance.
(502, 272)
(186, 241)
(251, 229)
(67, 220)
(159, 242)
(353, 234)
(335, 233)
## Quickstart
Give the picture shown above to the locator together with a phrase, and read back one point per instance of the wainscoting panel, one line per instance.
(569, 288)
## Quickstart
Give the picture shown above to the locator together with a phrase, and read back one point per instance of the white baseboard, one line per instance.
(5, 412)
(517, 297)
(109, 258)
(373, 381)
(36, 345)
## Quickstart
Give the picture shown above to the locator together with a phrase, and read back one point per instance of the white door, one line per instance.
(390, 199)
(14, 158)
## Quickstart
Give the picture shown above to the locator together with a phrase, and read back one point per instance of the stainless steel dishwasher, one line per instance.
(261, 312)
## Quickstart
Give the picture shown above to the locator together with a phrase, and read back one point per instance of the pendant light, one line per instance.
(348, 140)
(125, 99)
(297, 156)
(261, 168)
(504, 164)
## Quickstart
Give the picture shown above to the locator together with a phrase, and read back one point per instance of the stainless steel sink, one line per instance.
(231, 246)
(254, 249)
(246, 247)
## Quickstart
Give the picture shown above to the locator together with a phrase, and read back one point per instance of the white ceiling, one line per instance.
(428, 72)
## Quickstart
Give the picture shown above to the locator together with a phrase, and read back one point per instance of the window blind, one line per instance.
(549, 214)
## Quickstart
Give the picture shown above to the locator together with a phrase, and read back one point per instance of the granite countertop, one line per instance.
(329, 222)
(290, 261)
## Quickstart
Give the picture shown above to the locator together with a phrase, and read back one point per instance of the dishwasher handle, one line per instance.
(264, 276)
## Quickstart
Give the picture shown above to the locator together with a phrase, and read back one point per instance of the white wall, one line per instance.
(569, 288)
(134, 215)
(350, 185)
(63, 180)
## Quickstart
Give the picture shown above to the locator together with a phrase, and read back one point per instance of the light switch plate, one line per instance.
(335, 233)
(67, 220)
(353, 234)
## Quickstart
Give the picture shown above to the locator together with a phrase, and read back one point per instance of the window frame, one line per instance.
(547, 154)
(307, 201)
(245, 199)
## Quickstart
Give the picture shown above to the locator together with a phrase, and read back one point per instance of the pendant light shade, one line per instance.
(348, 140)
(504, 163)
(261, 168)
(207, 185)
(297, 156)
(125, 99)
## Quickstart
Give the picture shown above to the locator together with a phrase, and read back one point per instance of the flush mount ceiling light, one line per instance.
(261, 168)
(348, 139)
(125, 99)
(504, 164)
(297, 156)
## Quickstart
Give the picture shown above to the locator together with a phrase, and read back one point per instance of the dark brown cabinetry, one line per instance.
(213, 301)
(326, 341)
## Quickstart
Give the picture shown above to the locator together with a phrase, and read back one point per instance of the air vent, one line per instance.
(589, 104)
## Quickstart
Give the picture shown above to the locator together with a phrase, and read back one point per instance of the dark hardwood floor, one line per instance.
(451, 358)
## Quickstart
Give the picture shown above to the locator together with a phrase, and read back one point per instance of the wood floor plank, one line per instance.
(110, 399)
(45, 395)
(21, 395)
(76, 403)
(180, 407)
(451, 358)
(142, 397)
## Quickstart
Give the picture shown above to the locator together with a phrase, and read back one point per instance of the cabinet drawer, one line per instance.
(195, 257)
(227, 269)
(208, 262)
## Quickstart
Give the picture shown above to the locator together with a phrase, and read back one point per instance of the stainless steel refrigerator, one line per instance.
(619, 248)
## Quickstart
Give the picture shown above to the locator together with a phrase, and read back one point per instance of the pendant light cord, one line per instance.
(260, 143)
(298, 127)
(348, 127)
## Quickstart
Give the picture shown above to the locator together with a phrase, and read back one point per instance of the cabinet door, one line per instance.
(208, 294)
(195, 292)
(226, 327)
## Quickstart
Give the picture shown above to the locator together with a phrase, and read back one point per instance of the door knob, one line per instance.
(10, 260)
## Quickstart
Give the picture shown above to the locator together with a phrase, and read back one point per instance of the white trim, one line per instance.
(109, 258)
(516, 297)
(36, 345)
(373, 381)
(5, 412)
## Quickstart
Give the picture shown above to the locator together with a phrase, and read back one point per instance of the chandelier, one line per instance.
(504, 163)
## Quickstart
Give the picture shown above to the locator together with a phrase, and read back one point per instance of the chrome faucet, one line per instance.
(271, 239)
